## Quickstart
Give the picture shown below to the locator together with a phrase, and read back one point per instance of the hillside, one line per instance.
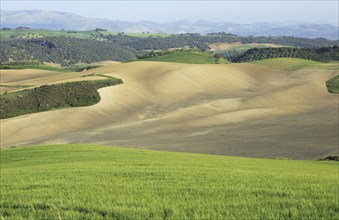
(256, 110)
(130, 110)
(99, 35)
(52, 97)
(35, 33)
(203, 41)
(146, 40)
(237, 46)
(322, 54)
(96, 182)
(65, 51)
(53, 20)
(71, 47)
(234, 49)
(193, 57)
(294, 64)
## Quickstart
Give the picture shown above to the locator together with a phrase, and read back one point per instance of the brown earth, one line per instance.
(14, 80)
(221, 46)
(233, 109)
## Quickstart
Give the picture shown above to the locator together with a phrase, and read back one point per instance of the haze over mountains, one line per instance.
(39, 19)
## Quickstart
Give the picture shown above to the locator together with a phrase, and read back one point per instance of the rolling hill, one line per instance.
(97, 182)
(52, 97)
(65, 51)
(73, 47)
(295, 64)
(103, 119)
(60, 20)
(255, 110)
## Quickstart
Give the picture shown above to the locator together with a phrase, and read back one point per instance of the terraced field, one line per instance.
(251, 110)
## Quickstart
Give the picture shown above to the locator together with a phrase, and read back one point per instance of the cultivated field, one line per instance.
(96, 182)
(192, 57)
(19, 79)
(232, 109)
(221, 46)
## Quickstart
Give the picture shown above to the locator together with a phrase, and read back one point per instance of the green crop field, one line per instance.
(101, 182)
(193, 57)
(295, 63)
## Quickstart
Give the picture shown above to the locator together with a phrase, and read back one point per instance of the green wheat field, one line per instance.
(102, 182)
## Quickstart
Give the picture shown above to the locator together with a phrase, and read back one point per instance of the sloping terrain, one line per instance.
(321, 54)
(103, 182)
(235, 109)
(14, 80)
(63, 50)
(192, 57)
(221, 46)
(52, 97)
(40, 19)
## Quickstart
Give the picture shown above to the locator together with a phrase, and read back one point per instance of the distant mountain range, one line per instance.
(52, 20)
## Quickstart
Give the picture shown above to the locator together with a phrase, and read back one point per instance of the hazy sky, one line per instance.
(162, 11)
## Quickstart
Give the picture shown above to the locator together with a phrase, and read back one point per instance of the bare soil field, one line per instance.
(14, 80)
(221, 46)
(234, 109)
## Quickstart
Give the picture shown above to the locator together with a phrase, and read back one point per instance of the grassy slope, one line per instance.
(193, 57)
(333, 84)
(95, 182)
(294, 63)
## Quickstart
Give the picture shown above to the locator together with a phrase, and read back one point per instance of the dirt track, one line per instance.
(237, 109)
